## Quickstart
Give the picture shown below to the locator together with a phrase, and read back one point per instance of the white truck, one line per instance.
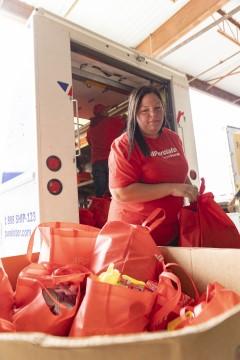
(63, 74)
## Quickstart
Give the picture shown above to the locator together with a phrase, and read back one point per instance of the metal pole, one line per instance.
(234, 11)
(214, 66)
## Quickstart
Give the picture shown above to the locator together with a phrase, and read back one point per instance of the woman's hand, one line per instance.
(185, 190)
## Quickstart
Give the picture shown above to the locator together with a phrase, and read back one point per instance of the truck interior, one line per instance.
(96, 81)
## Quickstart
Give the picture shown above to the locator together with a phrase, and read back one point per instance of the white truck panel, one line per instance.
(184, 123)
(19, 210)
(55, 119)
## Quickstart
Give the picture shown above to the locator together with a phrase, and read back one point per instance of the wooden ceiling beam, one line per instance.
(179, 24)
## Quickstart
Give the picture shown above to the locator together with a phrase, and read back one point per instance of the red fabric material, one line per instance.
(86, 217)
(7, 326)
(6, 295)
(170, 297)
(130, 248)
(99, 208)
(112, 309)
(38, 303)
(166, 164)
(101, 134)
(83, 176)
(205, 224)
(65, 243)
(215, 301)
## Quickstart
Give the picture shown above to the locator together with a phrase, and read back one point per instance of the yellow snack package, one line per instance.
(174, 323)
(133, 281)
(110, 276)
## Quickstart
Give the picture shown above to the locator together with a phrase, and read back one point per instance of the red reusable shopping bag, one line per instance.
(65, 243)
(112, 309)
(215, 301)
(205, 224)
(170, 297)
(6, 295)
(47, 297)
(86, 217)
(130, 248)
(99, 206)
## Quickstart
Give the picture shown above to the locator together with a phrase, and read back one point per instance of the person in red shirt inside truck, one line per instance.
(100, 135)
(148, 169)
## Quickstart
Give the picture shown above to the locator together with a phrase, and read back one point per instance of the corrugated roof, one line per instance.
(130, 22)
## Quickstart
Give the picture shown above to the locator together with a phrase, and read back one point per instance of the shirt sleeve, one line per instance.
(122, 171)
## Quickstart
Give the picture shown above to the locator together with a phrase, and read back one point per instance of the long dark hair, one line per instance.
(133, 130)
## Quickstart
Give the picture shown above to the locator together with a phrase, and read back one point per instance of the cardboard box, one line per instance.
(218, 338)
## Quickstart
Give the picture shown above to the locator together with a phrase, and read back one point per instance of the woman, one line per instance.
(148, 169)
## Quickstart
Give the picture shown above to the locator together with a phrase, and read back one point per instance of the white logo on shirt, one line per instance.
(167, 153)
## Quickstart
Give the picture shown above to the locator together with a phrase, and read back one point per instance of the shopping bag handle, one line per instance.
(169, 265)
(30, 246)
(32, 237)
(70, 272)
(75, 273)
(53, 226)
(202, 186)
(154, 219)
(171, 304)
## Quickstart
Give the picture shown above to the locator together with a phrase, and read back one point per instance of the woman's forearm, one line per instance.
(139, 192)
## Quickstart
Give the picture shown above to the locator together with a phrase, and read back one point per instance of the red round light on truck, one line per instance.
(53, 163)
(54, 186)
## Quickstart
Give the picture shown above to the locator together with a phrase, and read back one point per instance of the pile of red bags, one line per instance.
(110, 281)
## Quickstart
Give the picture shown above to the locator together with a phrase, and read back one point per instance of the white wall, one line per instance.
(211, 116)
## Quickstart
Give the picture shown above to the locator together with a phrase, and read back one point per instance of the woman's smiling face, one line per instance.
(150, 115)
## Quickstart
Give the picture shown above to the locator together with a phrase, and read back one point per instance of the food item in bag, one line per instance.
(173, 324)
(132, 283)
(65, 295)
(114, 277)
(110, 276)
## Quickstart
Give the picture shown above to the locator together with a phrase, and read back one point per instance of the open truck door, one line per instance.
(67, 71)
